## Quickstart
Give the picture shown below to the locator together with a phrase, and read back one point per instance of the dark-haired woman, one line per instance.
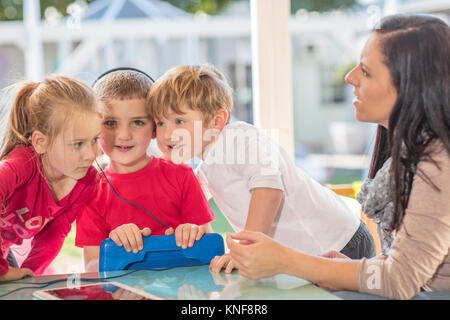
(402, 83)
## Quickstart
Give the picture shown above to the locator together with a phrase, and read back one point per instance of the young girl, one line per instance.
(46, 175)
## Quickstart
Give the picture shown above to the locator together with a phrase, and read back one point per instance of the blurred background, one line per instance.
(84, 38)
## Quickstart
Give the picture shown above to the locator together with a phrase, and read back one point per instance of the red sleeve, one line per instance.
(91, 225)
(195, 208)
(4, 266)
(48, 242)
(15, 171)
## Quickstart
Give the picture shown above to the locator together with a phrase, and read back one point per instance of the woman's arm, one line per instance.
(422, 243)
(265, 204)
(263, 257)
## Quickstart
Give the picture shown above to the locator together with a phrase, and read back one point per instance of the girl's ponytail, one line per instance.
(45, 106)
(19, 127)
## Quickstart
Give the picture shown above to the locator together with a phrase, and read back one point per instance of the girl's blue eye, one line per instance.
(110, 123)
(179, 121)
(77, 145)
(159, 123)
(138, 122)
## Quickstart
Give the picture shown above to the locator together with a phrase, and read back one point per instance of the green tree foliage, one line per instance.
(321, 5)
(208, 6)
(215, 6)
(12, 9)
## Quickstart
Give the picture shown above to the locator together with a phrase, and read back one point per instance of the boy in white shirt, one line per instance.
(252, 179)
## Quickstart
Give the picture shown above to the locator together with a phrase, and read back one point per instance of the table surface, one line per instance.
(191, 283)
(195, 283)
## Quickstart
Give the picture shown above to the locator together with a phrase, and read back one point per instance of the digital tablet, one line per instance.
(96, 291)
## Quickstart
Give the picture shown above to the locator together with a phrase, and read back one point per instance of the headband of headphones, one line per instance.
(122, 68)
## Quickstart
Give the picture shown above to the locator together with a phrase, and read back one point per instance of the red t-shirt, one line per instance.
(29, 210)
(170, 192)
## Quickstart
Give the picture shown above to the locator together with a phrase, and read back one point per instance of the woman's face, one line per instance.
(374, 92)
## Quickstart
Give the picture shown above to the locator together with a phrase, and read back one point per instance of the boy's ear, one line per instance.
(39, 141)
(220, 119)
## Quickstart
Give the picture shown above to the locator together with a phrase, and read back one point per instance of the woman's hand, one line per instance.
(257, 255)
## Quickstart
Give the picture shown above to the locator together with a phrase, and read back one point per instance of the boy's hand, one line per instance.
(129, 236)
(16, 274)
(186, 234)
(219, 262)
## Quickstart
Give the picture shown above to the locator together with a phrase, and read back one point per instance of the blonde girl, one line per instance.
(46, 171)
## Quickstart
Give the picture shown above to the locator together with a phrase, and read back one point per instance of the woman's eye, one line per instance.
(77, 145)
(364, 72)
(159, 123)
(95, 140)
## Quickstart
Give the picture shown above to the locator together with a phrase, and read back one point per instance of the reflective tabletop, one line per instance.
(181, 283)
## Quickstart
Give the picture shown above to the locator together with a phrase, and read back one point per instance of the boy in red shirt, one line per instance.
(169, 192)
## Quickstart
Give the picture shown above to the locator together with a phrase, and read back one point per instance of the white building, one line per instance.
(153, 35)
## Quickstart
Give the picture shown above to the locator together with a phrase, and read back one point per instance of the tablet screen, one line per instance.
(97, 291)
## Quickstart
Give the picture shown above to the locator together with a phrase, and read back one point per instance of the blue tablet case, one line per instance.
(160, 252)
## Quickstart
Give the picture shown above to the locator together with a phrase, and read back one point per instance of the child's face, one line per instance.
(126, 134)
(181, 137)
(74, 149)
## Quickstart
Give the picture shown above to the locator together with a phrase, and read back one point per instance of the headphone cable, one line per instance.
(132, 203)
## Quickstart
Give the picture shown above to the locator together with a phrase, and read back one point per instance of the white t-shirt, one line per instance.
(313, 219)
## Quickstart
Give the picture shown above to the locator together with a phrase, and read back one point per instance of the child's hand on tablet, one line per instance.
(129, 236)
(186, 234)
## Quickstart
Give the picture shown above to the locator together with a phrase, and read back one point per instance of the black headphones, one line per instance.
(122, 68)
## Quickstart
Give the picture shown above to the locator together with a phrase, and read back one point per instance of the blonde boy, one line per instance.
(251, 178)
(170, 193)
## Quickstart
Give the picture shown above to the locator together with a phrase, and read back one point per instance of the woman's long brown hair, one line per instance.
(416, 50)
